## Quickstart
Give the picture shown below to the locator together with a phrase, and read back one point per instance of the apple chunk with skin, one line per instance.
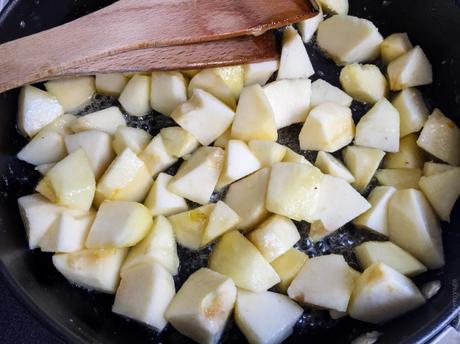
(328, 164)
(107, 120)
(400, 178)
(410, 155)
(382, 293)
(45, 148)
(167, 91)
(211, 82)
(72, 93)
(135, 139)
(161, 201)
(178, 142)
(202, 306)
(135, 97)
(236, 257)
(267, 152)
(155, 156)
(412, 110)
(267, 317)
(324, 92)
(259, 72)
(144, 294)
(111, 84)
(394, 46)
(287, 267)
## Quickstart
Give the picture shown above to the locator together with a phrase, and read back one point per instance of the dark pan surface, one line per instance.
(81, 316)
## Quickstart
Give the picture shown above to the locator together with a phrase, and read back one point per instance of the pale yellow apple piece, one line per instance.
(156, 157)
(221, 220)
(328, 164)
(365, 83)
(161, 201)
(259, 72)
(287, 266)
(412, 110)
(431, 168)
(394, 46)
(167, 91)
(178, 142)
(267, 152)
(107, 120)
(45, 148)
(233, 76)
(292, 156)
(111, 84)
(294, 62)
(324, 92)
(135, 139)
(72, 93)
(400, 178)
(308, 27)
(410, 155)
(211, 82)
(135, 97)
(334, 6)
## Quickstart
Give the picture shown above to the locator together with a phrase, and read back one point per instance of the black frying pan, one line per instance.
(80, 316)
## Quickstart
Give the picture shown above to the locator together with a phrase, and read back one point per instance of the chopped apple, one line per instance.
(107, 120)
(126, 179)
(168, 90)
(324, 92)
(266, 317)
(259, 72)
(441, 138)
(97, 146)
(287, 267)
(308, 27)
(223, 139)
(328, 127)
(292, 156)
(294, 62)
(212, 83)
(45, 148)
(325, 282)
(365, 83)
(156, 157)
(409, 156)
(379, 127)
(317, 231)
(376, 219)
(394, 46)
(111, 84)
(221, 220)
(202, 306)
(197, 177)
(267, 152)
(400, 178)
(431, 168)
(204, 116)
(62, 124)
(233, 76)
(135, 97)
(254, 119)
(36, 109)
(414, 227)
(236, 257)
(274, 237)
(43, 169)
(72, 93)
(290, 100)
(382, 293)
(334, 6)
(144, 294)
(97, 269)
(347, 39)
(247, 198)
(161, 201)
(386, 252)
(412, 110)
(159, 246)
(328, 164)
(135, 139)
(362, 163)
(409, 70)
(442, 191)
(178, 142)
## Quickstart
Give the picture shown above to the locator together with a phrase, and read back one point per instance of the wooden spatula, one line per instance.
(129, 25)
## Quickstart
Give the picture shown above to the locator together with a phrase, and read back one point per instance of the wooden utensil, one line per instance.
(139, 24)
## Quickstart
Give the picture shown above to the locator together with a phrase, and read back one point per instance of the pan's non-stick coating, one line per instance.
(79, 315)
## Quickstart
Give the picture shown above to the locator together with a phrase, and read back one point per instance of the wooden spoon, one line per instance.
(138, 24)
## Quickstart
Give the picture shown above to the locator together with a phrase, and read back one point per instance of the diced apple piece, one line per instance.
(328, 127)
(97, 146)
(324, 92)
(347, 39)
(289, 99)
(400, 178)
(441, 138)
(394, 46)
(161, 201)
(259, 72)
(409, 70)
(135, 97)
(414, 227)
(62, 124)
(43, 169)
(247, 198)
(266, 318)
(376, 218)
(442, 191)
(119, 224)
(317, 231)
(294, 62)
(178, 142)
(97, 269)
(324, 281)
(46, 147)
(126, 179)
(365, 83)
(254, 119)
(135, 139)
(431, 168)
(412, 110)
(204, 116)
(386, 252)
(202, 306)
(197, 177)
(221, 220)
(156, 157)
(274, 237)
(410, 155)
(267, 152)
(168, 90)
(111, 84)
(222, 140)
(292, 156)
(210, 82)
(382, 293)
(293, 190)
(72, 93)
(233, 76)
(362, 163)
(36, 109)
(287, 266)
(328, 164)
(379, 127)
(159, 246)
(144, 294)
(334, 6)
(107, 120)
(308, 27)
(189, 226)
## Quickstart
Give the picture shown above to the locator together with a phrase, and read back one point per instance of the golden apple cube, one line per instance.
(267, 152)
(287, 267)
(156, 157)
(45, 148)
(135, 139)
(221, 220)
(394, 46)
(259, 72)
(233, 76)
(412, 110)
(410, 155)
(135, 97)
(328, 164)
(211, 82)
(400, 178)
(111, 84)
(178, 142)
(161, 201)
(107, 120)
(167, 91)
(324, 92)
(72, 93)
(431, 168)
(294, 62)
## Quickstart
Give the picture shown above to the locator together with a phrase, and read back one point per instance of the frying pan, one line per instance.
(77, 315)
